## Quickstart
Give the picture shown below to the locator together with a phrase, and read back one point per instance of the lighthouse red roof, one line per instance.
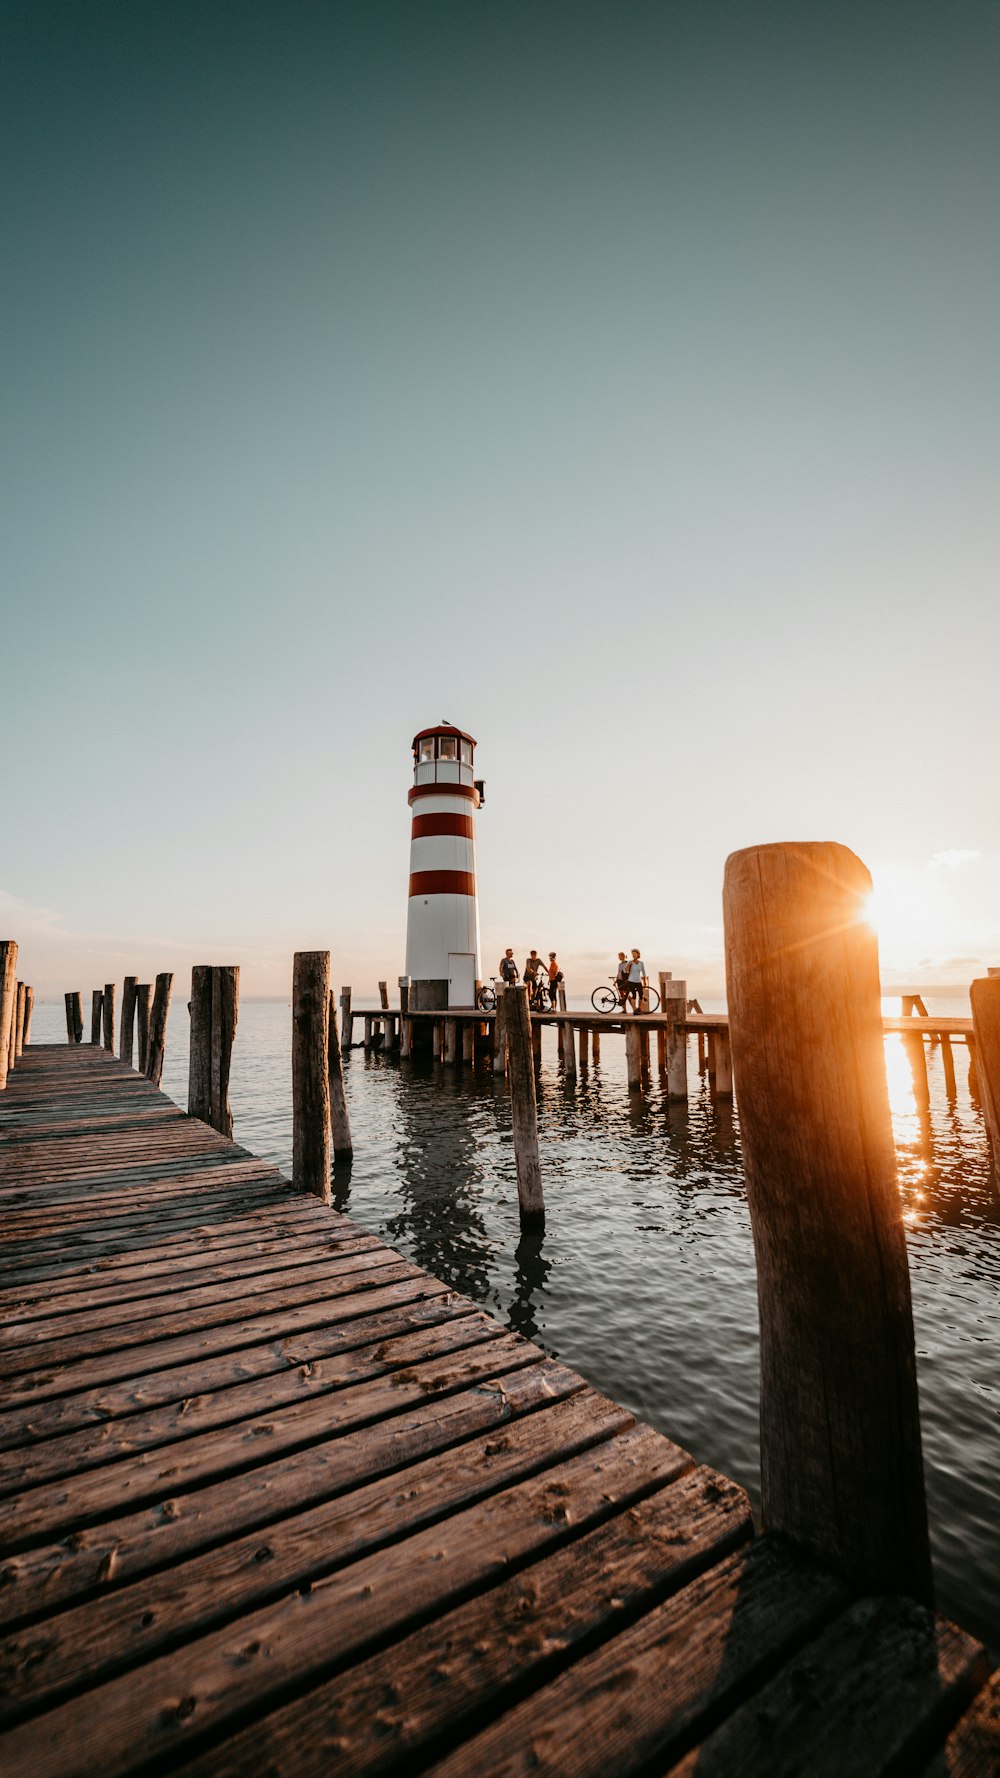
(443, 728)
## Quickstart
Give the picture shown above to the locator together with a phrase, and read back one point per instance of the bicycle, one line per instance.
(486, 999)
(608, 1000)
(540, 997)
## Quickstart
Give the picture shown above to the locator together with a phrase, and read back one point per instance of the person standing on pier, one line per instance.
(555, 976)
(636, 980)
(621, 979)
(532, 966)
(508, 968)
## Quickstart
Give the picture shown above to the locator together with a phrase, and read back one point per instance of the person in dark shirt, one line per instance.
(508, 968)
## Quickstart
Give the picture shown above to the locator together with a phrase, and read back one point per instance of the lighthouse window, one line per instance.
(467, 753)
(426, 754)
(448, 748)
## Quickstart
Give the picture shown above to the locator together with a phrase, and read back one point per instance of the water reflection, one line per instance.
(531, 1271)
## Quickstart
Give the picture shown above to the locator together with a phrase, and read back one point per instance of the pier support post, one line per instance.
(948, 1063)
(96, 1002)
(569, 1049)
(723, 1082)
(405, 1027)
(108, 1015)
(19, 1022)
(340, 1124)
(157, 1040)
(536, 1040)
(985, 996)
(500, 1033)
(143, 995)
(523, 1105)
(665, 976)
(841, 1466)
(214, 1008)
(468, 1041)
(311, 1072)
(8, 1001)
(29, 1007)
(633, 1055)
(595, 1045)
(368, 1034)
(346, 1020)
(126, 1030)
(70, 1023)
(674, 1007)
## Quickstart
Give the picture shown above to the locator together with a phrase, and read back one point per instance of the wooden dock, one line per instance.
(277, 1501)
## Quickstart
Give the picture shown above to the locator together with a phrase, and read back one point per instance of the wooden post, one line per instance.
(468, 1049)
(524, 1106)
(29, 1007)
(108, 1012)
(70, 1025)
(665, 976)
(126, 1030)
(841, 1464)
(311, 1072)
(78, 1016)
(450, 1035)
(346, 1020)
(383, 994)
(536, 1039)
(948, 1060)
(500, 1033)
(916, 1054)
(340, 1124)
(214, 1009)
(10, 1041)
(405, 1027)
(595, 1046)
(19, 1021)
(633, 1055)
(96, 1003)
(710, 1063)
(674, 1007)
(973, 1070)
(644, 1030)
(157, 1040)
(8, 1001)
(143, 993)
(985, 996)
(569, 1051)
(723, 1082)
(584, 1034)
(702, 1053)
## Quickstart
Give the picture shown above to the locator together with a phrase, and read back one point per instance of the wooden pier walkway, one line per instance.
(276, 1501)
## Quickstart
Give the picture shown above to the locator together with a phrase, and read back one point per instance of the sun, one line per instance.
(903, 911)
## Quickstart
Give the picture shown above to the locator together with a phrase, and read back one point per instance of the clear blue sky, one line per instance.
(620, 381)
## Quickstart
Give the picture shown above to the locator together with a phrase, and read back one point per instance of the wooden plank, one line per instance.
(972, 1750)
(445, 1676)
(107, 1440)
(627, 1707)
(304, 1418)
(873, 1694)
(285, 1564)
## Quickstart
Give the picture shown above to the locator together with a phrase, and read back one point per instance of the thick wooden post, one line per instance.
(674, 1006)
(214, 1009)
(70, 1024)
(985, 996)
(29, 1007)
(157, 1042)
(143, 993)
(723, 1082)
(311, 1072)
(19, 1021)
(595, 1047)
(346, 1020)
(108, 1013)
(468, 1041)
(77, 1016)
(368, 1033)
(450, 1037)
(536, 1039)
(500, 1033)
(340, 1124)
(633, 1055)
(10, 1041)
(948, 1062)
(383, 994)
(665, 975)
(841, 1463)
(523, 1105)
(8, 1001)
(96, 1003)
(405, 1027)
(126, 1030)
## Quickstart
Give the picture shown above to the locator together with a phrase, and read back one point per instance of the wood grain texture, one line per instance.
(310, 1073)
(841, 1468)
(985, 997)
(8, 1002)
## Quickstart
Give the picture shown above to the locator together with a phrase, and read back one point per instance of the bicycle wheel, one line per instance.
(543, 1000)
(604, 1000)
(653, 1000)
(486, 1000)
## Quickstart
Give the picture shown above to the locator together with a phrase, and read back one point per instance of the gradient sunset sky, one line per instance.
(619, 381)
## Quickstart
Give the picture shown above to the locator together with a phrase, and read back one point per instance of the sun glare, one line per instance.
(903, 912)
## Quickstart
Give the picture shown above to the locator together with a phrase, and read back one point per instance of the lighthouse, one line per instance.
(442, 925)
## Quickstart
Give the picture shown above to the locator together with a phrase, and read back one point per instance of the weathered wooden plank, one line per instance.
(972, 1750)
(626, 1707)
(302, 1419)
(444, 1676)
(871, 1695)
(85, 1643)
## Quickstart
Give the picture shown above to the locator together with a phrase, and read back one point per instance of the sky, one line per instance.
(620, 381)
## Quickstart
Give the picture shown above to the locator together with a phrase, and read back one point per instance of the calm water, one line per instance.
(644, 1279)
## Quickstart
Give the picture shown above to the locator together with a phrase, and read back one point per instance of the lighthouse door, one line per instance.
(461, 978)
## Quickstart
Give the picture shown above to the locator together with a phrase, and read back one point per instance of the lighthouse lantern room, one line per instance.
(442, 926)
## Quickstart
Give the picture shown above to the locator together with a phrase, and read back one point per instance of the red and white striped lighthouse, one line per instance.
(442, 926)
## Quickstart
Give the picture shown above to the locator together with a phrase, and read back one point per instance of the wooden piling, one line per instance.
(346, 1019)
(985, 997)
(19, 1021)
(70, 1023)
(78, 1016)
(368, 1033)
(311, 1072)
(450, 1034)
(584, 1056)
(633, 1056)
(840, 1431)
(595, 1046)
(8, 1001)
(468, 1041)
(569, 1051)
(126, 1029)
(214, 1008)
(340, 1124)
(674, 1007)
(10, 1041)
(523, 1105)
(157, 1040)
(383, 994)
(29, 1007)
(96, 1003)
(405, 1025)
(948, 1062)
(143, 994)
(665, 976)
(500, 1034)
(916, 1055)
(723, 1081)
(108, 1015)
